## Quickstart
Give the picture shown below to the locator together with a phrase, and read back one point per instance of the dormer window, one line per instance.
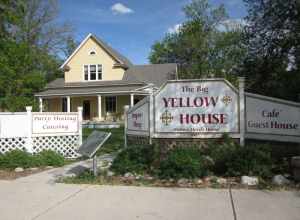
(93, 72)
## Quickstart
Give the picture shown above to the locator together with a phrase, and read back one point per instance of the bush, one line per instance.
(184, 163)
(231, 159)
(253, 160)
(19, 158)
(136, 159)
(16, 158)
(50, 158)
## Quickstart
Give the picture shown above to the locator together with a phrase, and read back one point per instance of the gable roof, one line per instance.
(155, 74)
(122, 60)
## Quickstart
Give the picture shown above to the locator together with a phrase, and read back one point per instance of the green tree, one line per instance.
(199, 47)
(29, 40)
(272, 40)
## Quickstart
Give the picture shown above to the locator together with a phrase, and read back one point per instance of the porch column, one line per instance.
(99, 107)
(41, 104)
(68, 104)
(131, 100)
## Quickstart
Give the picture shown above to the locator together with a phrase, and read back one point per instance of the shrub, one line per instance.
(184, 163)
(251, 160)
(19, 158)
(136, 159)
(49, 158)
(231, 159)
(16, 158)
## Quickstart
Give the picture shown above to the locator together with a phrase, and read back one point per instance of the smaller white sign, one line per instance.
(45, 123)
(268, 116)
(138, 118)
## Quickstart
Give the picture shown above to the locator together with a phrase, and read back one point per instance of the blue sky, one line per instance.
(132, 26)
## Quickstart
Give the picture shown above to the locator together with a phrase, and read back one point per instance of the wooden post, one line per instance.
(68, 104)
(126, 108)
(41, 104)
(29, 147)
(131, 100)
(242, 109)
(99, 107)
(80, 126)
(151, 117)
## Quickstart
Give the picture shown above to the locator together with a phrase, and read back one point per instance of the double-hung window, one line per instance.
(92, 72)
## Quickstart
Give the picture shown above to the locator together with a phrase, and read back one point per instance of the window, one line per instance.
(99, 71)
(64, 105)
(86, 72)
(92, 72)
(92, 52)
(111, 103)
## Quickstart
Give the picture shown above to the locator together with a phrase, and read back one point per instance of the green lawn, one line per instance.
(113, 144)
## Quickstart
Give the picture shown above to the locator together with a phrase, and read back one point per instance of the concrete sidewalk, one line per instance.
(39, 197)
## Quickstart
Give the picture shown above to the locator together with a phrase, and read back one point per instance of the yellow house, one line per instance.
(102, 81)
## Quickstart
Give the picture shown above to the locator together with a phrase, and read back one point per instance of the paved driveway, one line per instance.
(39, 197)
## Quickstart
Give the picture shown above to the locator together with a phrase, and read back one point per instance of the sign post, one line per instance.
(126, 108)
(242, 110)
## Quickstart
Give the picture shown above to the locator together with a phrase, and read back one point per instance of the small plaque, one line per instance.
(94, 141)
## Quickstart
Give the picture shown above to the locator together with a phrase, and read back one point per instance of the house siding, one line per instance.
(82, 57)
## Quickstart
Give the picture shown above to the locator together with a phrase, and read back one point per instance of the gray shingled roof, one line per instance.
(112, 51)
(60, 83)
(156, 74)
(122, 89)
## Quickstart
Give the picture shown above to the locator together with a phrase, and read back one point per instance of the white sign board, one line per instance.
(138, 118)
(272, 119)
(52, 123)
(195, 108)
(14, 125)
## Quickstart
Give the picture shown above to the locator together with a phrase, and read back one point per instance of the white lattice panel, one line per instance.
(8, 144)
(65, 145)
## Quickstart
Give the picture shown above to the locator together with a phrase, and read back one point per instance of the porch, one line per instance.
(96, 108)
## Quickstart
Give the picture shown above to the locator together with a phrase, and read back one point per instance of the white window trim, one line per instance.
(89, 73)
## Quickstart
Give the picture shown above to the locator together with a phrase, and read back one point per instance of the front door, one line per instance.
(86, 110)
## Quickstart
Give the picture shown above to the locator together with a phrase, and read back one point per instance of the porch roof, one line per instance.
(93, 90)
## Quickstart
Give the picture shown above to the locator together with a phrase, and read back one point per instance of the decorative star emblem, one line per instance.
(166, 118)
(226, 99)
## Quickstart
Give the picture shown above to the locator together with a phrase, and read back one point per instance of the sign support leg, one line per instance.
(242, 110)
(95, 166)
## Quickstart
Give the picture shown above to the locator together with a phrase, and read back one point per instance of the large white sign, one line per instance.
(138, 118)
(52, 123)
(191, 107)
(272, 118)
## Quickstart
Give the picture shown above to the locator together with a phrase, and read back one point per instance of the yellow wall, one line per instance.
(83, 57)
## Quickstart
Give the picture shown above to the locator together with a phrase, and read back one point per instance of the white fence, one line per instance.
(37, 131)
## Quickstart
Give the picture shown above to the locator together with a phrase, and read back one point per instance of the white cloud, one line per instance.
(231, 24)
(174, 29)
(119, 8)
